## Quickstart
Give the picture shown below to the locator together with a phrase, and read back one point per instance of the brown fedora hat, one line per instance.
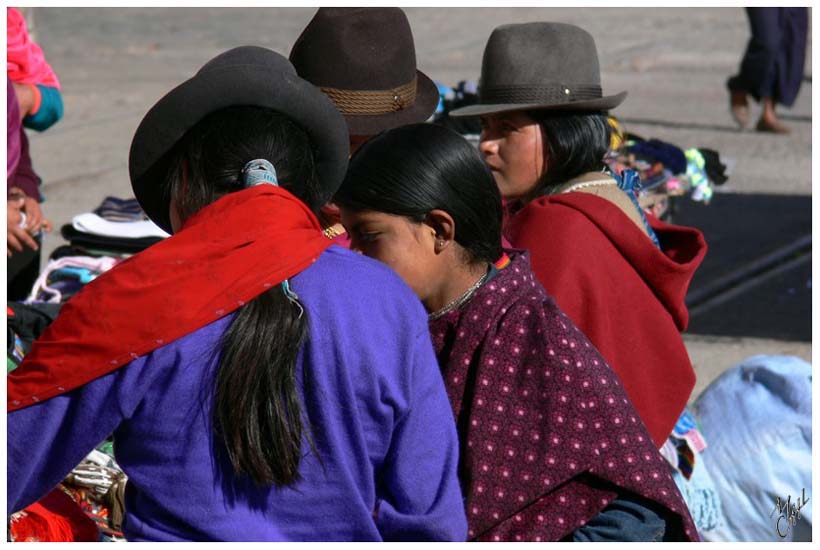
(533, 66)
(365, 61)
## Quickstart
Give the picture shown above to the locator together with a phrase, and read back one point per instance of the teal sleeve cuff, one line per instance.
(50, 111)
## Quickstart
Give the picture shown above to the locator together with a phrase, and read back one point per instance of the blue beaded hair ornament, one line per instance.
(262, 172)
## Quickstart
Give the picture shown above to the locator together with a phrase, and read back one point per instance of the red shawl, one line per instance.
(224, 256)
(621, 291)
(547, 435)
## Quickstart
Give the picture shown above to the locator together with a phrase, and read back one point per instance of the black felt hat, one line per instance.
(532, 66)
(244, 76)
(364, 59)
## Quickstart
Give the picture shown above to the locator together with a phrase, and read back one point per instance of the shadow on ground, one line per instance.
(756, 278)
(729, 128)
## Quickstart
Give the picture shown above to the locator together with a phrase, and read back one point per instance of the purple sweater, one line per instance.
(375, 400)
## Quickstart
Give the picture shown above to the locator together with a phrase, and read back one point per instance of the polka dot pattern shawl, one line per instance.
(548, 437)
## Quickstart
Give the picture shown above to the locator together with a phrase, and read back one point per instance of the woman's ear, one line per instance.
(443, 228)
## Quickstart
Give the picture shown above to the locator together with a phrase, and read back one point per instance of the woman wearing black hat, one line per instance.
(249, 399)
(364, 60)
(620, 277)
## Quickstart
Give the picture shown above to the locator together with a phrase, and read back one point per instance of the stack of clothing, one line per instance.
(64, 276)
(99, 240)
(681, 450)
(116, 227)
(97, 485)
(666, 170)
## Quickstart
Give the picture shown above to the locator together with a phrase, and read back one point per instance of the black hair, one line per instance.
(411, 170)
(575, 142)
(211, 155)
(257, 409)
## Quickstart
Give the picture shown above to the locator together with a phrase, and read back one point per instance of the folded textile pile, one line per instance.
(98, 240)
(120, 210)
(115, 227)
(694, 481)
(666, 170)
(97, 485)
(62, 278)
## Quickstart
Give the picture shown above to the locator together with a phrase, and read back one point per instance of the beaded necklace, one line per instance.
(461, 300)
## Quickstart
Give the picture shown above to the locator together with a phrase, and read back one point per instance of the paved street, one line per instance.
(753, 292)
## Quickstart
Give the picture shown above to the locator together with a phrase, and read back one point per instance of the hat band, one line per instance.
(550, 94)
(373, 102)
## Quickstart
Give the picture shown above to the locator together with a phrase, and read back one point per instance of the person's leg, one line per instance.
(739, 107)
(791, 58)
(788, 68)
(23, 268)
(757, 69)
(768, 119)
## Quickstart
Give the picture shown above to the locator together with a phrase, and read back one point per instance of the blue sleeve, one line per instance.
(47, 440)
(627, 518)
(423, 499)
(50, 111)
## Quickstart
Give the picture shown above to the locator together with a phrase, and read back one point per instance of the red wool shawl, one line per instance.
(625, 294)
(225, 255)
(547, 436)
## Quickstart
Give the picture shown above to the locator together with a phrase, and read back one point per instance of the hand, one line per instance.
(17, 237)
(34, 217)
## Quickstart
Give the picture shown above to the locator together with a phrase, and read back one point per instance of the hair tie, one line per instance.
(259, 171)
(292, 296)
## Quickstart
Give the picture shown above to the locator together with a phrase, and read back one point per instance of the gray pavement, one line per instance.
(114, 63)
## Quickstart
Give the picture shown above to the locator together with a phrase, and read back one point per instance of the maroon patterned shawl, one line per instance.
(548, 437)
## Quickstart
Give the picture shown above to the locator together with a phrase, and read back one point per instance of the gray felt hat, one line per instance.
(541, 65)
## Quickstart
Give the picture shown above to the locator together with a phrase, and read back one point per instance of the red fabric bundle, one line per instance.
(53, 518)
